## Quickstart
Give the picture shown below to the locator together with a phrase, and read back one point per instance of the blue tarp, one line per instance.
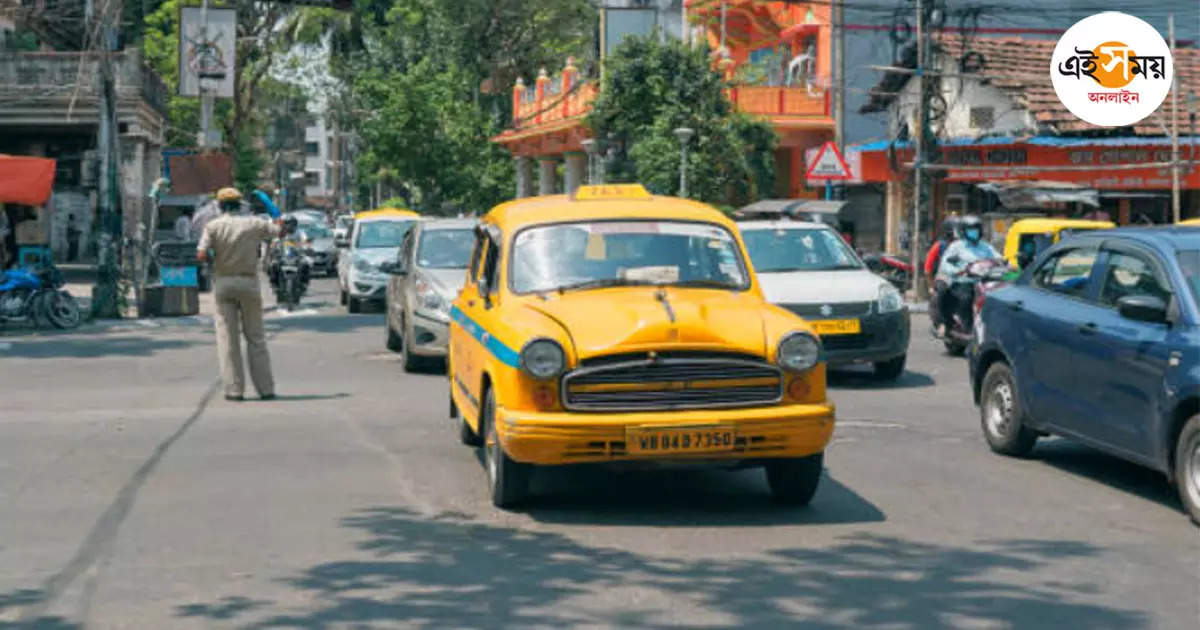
(272, 209)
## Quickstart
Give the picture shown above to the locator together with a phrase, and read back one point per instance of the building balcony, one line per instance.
(781, 105)
(61, 88)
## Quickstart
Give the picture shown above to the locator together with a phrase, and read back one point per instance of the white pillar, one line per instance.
(524, 168)
(576, 171)
(547, 170)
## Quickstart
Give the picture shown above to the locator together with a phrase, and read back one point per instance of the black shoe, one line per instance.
(235, 398)
(267, 397)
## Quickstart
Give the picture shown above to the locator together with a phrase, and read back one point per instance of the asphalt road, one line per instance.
(133, 496)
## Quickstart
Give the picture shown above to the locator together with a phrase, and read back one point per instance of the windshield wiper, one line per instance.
(702, 282)
(600, 283)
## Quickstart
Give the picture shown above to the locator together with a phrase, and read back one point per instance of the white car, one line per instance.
(375, 240)
(341, 227)
(809, 269)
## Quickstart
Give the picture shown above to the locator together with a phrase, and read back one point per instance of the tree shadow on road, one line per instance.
(1083, 461)
(327, 323)
(448, 571)
(12, 603)
(93, 347)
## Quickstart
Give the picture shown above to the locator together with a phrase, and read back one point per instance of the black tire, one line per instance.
(393, 341)
(353, 305)
(794, 481)
(1001, 416)
(412, 362)
(1187, 468)
(954, 348)
(891, 369)
(343, 297)
(61, 309)
(508, 481)
(468, 435)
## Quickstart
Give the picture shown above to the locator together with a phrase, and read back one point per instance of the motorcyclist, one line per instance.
(962, 252)
(933, 260)
(289, 228)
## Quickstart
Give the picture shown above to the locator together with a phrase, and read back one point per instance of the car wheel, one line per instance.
(794, 481)
(955, 348)
(353, 305)
(343, 297)
(393, 341)
(891, 369)
(468, 435)
(508, 481)
(1001, 415)
(1187, 467)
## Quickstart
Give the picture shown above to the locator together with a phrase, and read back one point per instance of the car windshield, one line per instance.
(313, 231)
(1189, 261)
(798, 249)
(623, 253)
(445, 249)
(375, 234)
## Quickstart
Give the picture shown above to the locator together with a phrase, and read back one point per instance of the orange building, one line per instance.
(790, 45)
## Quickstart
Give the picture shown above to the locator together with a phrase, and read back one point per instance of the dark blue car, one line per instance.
(1099, 341)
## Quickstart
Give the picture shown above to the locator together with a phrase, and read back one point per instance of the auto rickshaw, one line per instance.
(1027, 238)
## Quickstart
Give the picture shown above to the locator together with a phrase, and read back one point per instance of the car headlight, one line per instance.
(798, 351)
(543, 359)
(890, 299)
(429, 298)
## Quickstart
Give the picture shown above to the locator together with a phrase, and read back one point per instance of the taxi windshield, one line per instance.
(798, 249)
(376, 234)
(626, 253)
(445, 249)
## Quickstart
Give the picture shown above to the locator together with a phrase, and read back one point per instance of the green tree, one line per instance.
(650, 88)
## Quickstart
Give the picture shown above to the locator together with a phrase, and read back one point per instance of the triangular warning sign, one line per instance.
(829, 164)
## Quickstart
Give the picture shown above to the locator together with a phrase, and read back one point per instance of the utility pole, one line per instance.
(1175, 214)
(105, 295)
(920, 191)
(839, 112)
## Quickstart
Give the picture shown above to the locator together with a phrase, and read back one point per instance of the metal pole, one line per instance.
(839, 112)
(683, 187)
(206, 97)
(1175, 214)
(918, 154)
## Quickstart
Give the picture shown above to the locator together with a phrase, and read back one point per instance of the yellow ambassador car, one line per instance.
(613, 326)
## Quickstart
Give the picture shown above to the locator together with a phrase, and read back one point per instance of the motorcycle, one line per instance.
(968, 290)
(34, 295)
(891, 268)
(291, 274)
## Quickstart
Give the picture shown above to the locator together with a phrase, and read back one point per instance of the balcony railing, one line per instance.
(552, 99)
(64, 76)
(774, 101)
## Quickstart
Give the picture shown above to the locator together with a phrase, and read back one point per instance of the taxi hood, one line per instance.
(628, 319)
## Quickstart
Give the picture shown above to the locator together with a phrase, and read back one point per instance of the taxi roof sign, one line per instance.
(610, 192)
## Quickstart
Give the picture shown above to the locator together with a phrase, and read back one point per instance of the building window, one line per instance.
(312, 148)
(328, 177)
(312, 178)
(983, 117)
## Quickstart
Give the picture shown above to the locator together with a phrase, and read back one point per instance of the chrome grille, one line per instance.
(836, 309)
(671, 383)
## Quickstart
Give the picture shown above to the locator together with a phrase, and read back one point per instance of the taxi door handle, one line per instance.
(1088, 328)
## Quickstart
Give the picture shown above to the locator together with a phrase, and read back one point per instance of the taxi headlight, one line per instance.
(798, 351)
(890, 299)
(543, 359)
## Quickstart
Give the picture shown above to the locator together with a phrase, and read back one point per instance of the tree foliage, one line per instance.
(651, 88)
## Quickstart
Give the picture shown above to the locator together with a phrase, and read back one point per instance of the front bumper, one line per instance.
(430, 337)
(554, 438)
(367, 288)
(882, 337)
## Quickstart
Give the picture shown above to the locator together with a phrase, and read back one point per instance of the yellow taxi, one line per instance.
(615, 326)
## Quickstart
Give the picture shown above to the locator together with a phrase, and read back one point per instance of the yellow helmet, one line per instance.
(229, 194)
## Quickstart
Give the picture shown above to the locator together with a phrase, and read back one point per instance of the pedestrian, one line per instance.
(231, 241)
(933, 260)
(183, 225)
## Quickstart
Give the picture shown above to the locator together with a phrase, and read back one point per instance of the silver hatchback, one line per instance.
(426, 276)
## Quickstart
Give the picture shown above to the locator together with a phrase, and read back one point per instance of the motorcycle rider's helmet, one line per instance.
(971, 228)
(230, 199)
(950, 229)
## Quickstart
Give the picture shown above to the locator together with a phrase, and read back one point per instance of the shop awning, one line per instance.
(1040, 193)
(26, 180)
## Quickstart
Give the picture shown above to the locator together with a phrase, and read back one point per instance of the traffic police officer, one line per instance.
(232, 242)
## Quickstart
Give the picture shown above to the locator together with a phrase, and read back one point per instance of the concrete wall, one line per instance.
(1008, 116)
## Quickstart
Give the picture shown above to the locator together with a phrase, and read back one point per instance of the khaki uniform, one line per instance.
(234, 244)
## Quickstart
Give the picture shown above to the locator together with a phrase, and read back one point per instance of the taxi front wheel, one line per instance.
(508, 480)
(794, 481)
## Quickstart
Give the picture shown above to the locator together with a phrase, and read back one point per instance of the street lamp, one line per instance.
(685, 135)
(589, 147)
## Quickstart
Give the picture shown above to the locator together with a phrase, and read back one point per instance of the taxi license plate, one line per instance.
(837, 326)
(661, 440)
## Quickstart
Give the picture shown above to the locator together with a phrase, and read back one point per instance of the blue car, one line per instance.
(1099, 341)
